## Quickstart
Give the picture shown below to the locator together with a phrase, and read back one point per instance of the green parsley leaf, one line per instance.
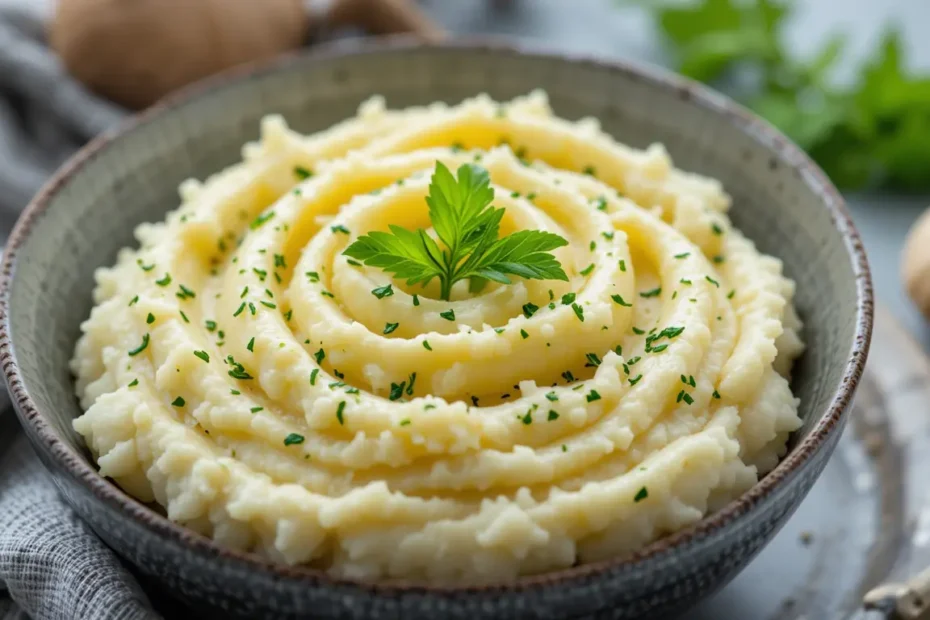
(467, 225)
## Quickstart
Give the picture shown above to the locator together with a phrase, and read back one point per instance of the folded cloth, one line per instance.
(51, 564)
(45, 115)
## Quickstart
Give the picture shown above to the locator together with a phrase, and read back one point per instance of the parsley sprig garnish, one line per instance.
(467, 225)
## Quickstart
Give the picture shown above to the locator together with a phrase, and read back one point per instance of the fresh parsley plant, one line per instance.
(467, 226)
(875, 131)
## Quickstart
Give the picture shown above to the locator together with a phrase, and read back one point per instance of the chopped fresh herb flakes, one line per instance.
(340, 411)
(426, 345)
(529, 309)
(397, 390)
(261, 219)
(619, 300)
(139, 349)
(642, 494)
(238, 370)
(319, 356)
(390, 327)
(416, 300)
(524, 334)
(313, 375)
(268, 304)
(383, 291)
(256, 409)
(203, 355)
(448, 315)
(313, 276)
(635, 380)
(712, 281)
(293, 439)
(552, 396)
(716, 228)
(302, 173)
(622, 264)
(568, 298)
(133, 383)
(553, 415)
(579, 312)
(653, 293)
(339, 228)
(683, 255)
(587, 270)
(178, 402)
(592, 360)
(592, 396)
(165, 281)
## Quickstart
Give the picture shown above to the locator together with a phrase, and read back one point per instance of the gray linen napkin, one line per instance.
(51, 565)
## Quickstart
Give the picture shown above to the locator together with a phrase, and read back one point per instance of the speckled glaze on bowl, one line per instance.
(89, 209)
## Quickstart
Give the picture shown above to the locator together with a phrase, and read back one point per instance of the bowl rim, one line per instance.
(782, 150)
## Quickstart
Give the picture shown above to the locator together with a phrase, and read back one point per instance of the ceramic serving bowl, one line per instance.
(89, 209)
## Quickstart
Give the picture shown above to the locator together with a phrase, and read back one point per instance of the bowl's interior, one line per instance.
(134, 178)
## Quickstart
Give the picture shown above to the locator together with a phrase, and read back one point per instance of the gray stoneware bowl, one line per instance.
(89, 209)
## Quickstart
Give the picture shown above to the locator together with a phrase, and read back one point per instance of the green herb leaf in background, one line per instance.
(873, 132)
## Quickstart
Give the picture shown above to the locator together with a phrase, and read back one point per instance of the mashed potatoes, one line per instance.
(277, 396)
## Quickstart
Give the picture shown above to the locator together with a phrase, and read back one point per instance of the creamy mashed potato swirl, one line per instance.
(279, 397)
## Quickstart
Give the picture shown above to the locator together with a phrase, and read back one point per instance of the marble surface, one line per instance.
(618, 28)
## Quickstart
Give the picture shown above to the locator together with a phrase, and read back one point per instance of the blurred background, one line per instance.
(848, 80)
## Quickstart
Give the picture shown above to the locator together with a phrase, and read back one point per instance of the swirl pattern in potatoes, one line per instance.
(278, 396)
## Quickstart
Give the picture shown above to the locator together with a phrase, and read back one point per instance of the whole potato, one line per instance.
(915, 263)
(136, 51)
